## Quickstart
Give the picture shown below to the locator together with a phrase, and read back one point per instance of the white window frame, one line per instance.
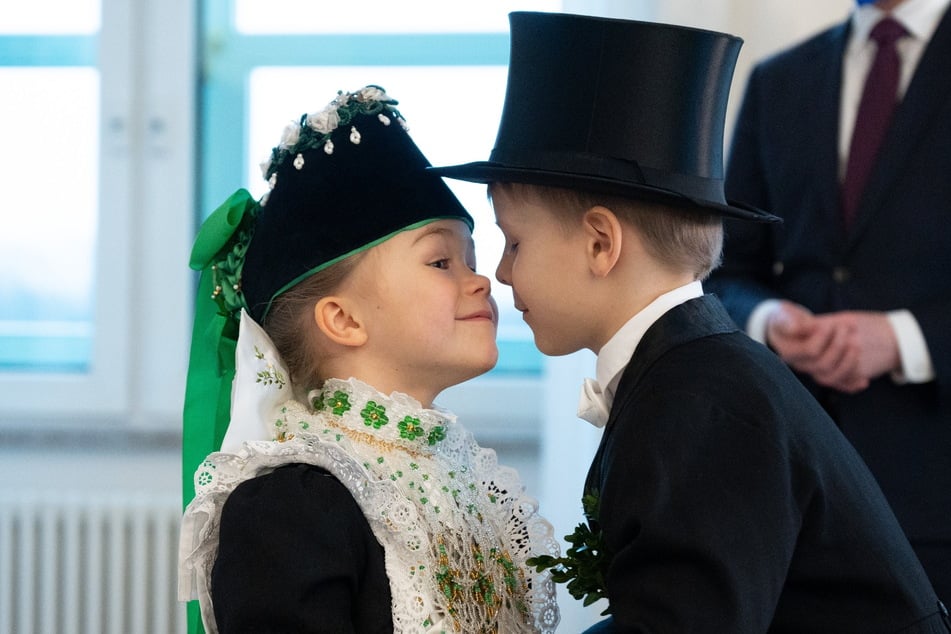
(143, 289)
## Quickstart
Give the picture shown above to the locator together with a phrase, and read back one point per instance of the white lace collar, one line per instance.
(398, 419)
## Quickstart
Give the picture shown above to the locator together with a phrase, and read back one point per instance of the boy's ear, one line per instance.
(604, 236)
(337, 319)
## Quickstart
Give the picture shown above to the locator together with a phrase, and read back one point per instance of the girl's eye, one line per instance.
(440, 264)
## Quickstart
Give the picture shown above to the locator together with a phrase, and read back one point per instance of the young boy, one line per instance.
(726, 500)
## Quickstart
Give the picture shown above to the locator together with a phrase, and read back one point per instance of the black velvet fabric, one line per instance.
(296, 555)
(340, 202)
(730, 501)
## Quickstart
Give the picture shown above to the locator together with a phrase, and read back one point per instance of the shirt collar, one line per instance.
(616, 353)
(919, 17)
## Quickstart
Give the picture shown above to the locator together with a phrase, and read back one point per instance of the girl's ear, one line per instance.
(337, 319)
(603, 239)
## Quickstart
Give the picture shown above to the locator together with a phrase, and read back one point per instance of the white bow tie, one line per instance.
(593, 406)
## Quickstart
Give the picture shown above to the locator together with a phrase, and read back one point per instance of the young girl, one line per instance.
(343, 500)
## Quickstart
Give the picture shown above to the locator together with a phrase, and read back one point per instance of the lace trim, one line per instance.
(456, 527)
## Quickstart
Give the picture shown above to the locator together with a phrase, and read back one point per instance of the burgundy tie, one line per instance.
(875, 110)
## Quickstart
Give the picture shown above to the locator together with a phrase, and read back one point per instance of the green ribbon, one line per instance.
(211, 367)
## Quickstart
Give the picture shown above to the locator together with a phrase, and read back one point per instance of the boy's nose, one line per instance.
(502, 272)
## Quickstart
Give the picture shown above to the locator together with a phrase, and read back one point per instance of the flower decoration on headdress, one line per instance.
(314, 130)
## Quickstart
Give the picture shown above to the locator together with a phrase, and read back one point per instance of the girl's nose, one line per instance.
(481, 283)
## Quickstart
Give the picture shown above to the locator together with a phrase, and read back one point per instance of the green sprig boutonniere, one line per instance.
(582, 567)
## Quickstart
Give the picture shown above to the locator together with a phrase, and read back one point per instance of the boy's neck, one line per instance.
(639, 286)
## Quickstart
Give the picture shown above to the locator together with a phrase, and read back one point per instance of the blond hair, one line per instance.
(290, 321)
(683, 239)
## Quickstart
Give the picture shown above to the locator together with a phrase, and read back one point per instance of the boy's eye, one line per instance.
(513, 247)
(442, 263)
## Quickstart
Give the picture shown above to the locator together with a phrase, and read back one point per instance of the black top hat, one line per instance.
(615, 106)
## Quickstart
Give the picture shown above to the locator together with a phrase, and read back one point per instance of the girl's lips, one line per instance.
(482, 314)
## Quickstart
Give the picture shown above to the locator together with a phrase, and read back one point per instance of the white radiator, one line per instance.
(89, 563)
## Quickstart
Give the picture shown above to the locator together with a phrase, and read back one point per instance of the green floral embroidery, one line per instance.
(436, 434)
(585, 561)
(410, 428)
(340, 403)
(374, 415)
(318, 402)
(270, 376)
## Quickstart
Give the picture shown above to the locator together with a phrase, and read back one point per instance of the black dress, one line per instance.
(298, 529)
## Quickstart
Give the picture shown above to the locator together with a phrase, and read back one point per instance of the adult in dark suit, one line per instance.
(859, 307)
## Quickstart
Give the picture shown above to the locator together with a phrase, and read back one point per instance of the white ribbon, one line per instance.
(592, 405)
(261, 384)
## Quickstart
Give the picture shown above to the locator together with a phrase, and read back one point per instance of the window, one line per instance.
(97, 175)
(46, 308)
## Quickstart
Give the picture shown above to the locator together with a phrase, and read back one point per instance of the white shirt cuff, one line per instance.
(756, 324)
(916, 365)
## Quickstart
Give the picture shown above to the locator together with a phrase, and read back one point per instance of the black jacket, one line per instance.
(730, 501)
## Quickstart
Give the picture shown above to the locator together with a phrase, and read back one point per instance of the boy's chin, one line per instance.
(551, 348)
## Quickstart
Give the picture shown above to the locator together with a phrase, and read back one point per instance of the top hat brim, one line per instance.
(487, 172)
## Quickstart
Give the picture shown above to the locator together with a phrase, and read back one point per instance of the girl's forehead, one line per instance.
(449, 228)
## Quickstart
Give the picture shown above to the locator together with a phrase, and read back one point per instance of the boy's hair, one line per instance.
(686, 240)
(290, 322)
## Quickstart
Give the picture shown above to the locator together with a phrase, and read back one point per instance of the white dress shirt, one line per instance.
(598, 396)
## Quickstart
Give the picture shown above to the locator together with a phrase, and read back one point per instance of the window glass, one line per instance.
(50, 162)
(51, 17)
(380, 16)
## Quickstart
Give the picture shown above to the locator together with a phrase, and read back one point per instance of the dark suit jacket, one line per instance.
(730, 502)
(898, 255)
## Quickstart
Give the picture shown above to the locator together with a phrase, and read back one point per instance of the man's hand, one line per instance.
(843, 350)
